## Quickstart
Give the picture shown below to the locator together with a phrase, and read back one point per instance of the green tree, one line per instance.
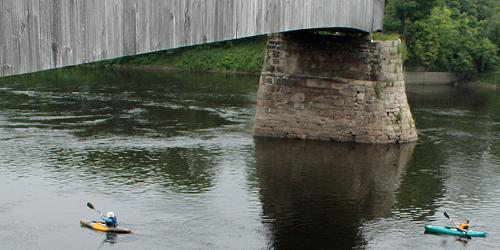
(444, 42)
(453, 35)
(431, 40)
(400, 14)
(492, 24)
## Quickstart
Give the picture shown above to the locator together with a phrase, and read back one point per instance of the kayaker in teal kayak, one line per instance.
(461, 230)
(464, 227)
(110, 219)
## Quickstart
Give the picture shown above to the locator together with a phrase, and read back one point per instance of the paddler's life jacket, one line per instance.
(110, 221)
(464, 226)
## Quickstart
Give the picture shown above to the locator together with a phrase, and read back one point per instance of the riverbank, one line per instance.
(240, 56)
(491, 79)
(246, 56)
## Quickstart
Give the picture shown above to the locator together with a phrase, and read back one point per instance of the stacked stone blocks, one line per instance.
(330, 87)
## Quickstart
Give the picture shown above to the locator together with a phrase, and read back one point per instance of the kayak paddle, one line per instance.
(457, 225)
(92, 207)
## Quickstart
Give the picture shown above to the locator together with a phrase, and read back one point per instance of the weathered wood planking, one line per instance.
(45, 34)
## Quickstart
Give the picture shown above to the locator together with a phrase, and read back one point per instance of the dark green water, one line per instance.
(172, 155)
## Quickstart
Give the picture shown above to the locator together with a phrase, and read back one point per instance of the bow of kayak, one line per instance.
(452, 231)
(99, 226)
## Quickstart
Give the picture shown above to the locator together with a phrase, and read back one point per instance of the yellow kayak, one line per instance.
(100, 226)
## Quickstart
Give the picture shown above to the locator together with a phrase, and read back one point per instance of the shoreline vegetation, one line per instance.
(458, 36)
(241, 57)
(244, 56)
(491, 79)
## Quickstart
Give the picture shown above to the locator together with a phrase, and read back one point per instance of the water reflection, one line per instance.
(423, 184)
(111, 238)
(317, 195)
(458, 137)
(123, 127)
(93, 102)
(187, 170)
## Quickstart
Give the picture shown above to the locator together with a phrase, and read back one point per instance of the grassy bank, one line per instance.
(245, 55)
(491, 79)
(385, 36)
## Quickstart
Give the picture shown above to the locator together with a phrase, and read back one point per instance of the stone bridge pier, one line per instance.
(337, 87)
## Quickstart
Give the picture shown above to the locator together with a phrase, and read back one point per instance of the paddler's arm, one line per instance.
(461, 229)
(106, 219)
(457, 226)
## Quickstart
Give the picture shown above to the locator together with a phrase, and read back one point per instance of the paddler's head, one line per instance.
(110, 214)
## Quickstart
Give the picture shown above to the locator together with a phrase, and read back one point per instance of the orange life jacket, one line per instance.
(464, 226)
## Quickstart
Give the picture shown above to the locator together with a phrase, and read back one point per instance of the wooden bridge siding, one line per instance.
(44, 34)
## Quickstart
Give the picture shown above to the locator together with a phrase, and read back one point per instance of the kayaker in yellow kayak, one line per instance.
(108, 223)
(110, 219)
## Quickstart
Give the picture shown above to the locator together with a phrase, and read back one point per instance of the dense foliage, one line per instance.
(462, 36)
(244, 55)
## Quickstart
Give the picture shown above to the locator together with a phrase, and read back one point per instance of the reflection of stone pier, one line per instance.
(316, 194)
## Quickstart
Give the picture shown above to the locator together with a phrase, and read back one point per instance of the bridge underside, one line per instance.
(333, 87)
(46, 34)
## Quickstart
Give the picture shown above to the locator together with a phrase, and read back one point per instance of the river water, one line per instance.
(172, 155)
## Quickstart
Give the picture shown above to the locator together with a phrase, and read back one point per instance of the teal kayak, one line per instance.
(452, 231)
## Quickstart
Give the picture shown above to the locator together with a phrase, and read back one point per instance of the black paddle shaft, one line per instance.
(92, 207)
